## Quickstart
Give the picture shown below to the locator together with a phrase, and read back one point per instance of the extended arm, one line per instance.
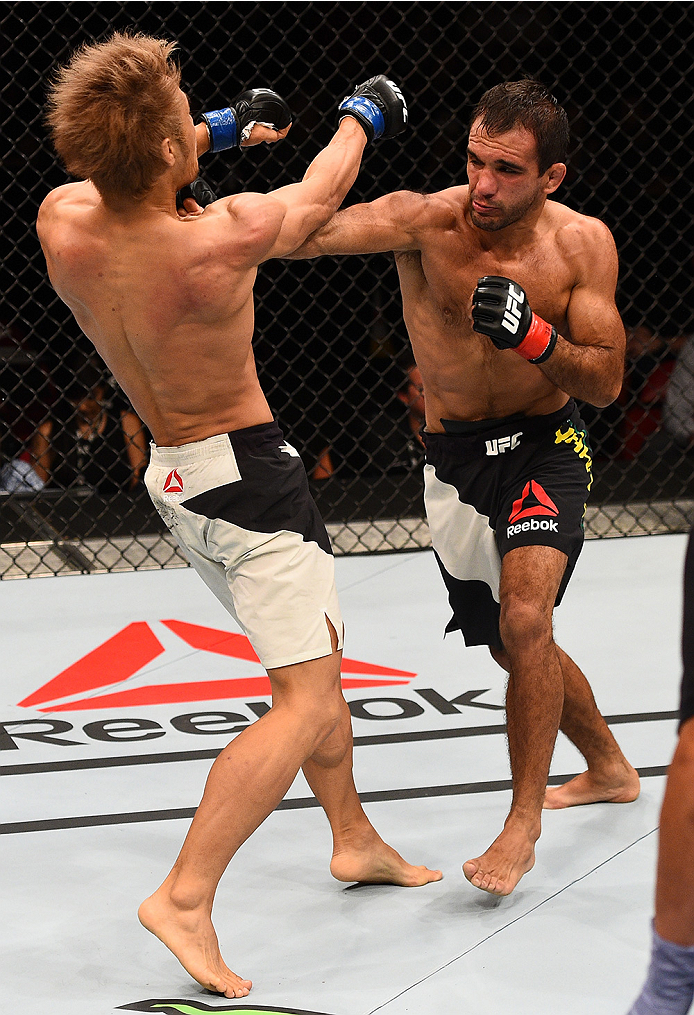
(309, 204)
(591, 365)
(375, 109)
(393, 222)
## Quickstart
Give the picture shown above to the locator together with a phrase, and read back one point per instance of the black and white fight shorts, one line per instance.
(240, 508)
(493, 485)
(687, 694)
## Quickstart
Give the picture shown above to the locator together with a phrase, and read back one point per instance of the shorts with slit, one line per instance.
(240, 508)
(493, 485)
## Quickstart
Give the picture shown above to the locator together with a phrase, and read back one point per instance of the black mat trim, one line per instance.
(298, 803)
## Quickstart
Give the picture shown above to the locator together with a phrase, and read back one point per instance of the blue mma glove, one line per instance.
(230, 126)
(378, 105)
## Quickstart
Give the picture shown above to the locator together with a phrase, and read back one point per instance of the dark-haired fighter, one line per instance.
(508, 462)
(168, 303)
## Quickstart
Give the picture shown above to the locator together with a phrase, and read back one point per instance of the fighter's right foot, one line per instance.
(368, 859)
(620, 785)
(189, 934)
(500, 868)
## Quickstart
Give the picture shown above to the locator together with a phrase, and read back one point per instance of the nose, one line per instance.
(486, 184)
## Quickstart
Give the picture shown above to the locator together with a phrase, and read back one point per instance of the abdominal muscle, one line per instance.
(466, 378)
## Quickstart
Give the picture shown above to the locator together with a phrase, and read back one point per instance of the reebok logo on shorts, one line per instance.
(532, 502)
(173, 482)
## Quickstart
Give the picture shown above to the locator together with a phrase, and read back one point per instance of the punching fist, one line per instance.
(378, 105)
(198, 192)
(231, 126)
(500, 309)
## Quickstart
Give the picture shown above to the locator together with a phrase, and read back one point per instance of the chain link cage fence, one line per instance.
(330, 343)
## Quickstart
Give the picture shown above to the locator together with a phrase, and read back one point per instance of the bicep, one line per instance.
(592, 313)
(389, 223)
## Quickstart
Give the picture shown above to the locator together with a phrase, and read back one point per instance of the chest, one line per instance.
(451, 269)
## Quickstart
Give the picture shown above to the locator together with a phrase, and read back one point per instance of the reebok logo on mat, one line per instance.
(112, 664)
(180, 1007)
(173, 482)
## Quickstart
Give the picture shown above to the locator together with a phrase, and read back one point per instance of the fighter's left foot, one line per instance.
(620, 787)
(498, 871)
(368, 859)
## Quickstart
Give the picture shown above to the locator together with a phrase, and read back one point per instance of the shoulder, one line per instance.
(584, 242)
(70, 195)
(577, 233)
(249, 221)
(428, 211)
(62, 207)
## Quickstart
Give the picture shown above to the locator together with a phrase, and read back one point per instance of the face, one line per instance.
(505, 184)
(414, 394)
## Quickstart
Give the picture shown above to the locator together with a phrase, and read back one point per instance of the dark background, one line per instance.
(329, 333)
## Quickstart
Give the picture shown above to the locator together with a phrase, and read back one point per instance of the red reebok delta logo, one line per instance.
(173, 482)
(133, 648)
(533, 501)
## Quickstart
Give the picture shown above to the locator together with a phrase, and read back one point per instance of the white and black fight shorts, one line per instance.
(687, 693)
(492, 485)
(240, 508)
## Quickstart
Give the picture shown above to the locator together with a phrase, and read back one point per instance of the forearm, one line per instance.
(202, 139)
(328, 179)
(590, 373)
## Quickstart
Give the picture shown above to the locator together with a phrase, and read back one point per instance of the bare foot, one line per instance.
(191, 937)
(370, 860)
(623, 787)
(498, 871)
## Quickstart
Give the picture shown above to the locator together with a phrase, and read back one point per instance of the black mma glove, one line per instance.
(199, 191)
(230, 126)
(500, 309)
(378, 105)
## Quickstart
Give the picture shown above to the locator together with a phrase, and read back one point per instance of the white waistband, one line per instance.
(211, 447)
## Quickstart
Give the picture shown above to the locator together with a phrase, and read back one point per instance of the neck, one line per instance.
(161, 197)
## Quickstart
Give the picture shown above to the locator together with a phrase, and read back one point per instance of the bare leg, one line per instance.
(246, 782)
(674, 896)
(609, 778)
(530, 577)
(669, 986)
(359, 853)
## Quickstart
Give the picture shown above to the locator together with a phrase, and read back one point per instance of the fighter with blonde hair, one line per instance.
(167, 301)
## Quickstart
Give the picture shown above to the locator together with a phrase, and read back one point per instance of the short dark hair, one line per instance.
(526, 104)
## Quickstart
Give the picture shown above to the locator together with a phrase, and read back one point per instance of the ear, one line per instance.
(554, 176)
(167, 152)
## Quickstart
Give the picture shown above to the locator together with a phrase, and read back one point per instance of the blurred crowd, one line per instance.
(71, 426)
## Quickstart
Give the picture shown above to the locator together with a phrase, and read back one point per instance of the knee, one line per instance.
(523, 626)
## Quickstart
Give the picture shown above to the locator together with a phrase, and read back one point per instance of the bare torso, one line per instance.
(168, 304)
(465, 376)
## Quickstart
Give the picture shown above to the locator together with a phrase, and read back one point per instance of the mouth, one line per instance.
(483, 209)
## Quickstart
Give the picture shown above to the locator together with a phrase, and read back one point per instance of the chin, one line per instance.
(489, 225)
